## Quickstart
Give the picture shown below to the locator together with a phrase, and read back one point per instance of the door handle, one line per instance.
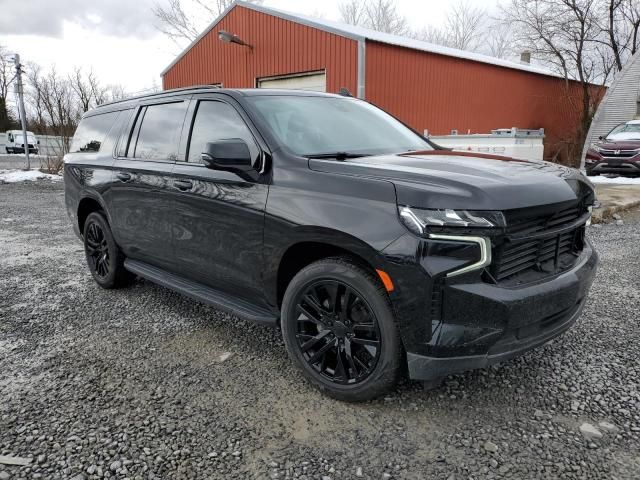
(125, 177)
(183, 184)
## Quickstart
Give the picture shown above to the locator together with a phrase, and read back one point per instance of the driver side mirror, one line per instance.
(230, 154)
(600, 137)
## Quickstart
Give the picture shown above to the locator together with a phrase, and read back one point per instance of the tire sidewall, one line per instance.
(110, 280)
(385, 371)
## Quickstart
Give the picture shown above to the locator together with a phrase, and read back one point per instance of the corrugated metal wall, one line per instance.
(280, 47)
(621, 102)
(440, 93)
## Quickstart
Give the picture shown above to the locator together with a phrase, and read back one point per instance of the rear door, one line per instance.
(218, 215)
(140, 198)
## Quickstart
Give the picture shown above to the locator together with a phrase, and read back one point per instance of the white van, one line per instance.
(14, 142)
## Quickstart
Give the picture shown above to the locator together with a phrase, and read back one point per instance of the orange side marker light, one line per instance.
(386, 280)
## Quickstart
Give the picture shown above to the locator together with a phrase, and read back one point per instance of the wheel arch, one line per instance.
(87, 205)
(315, 244)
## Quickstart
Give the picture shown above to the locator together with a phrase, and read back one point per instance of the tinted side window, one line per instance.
(159, 134)
(218, 121)
(91, 132)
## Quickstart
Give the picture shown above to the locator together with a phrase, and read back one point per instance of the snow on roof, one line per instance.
(361, 34)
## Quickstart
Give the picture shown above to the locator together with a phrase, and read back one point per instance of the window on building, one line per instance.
(218, 121)
(159, 135)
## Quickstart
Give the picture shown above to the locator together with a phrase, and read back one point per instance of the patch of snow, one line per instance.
(617, 180)
(13, 176)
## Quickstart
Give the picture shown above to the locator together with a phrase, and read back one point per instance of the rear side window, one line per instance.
(159, 135)
(218, 121)
(92, 132)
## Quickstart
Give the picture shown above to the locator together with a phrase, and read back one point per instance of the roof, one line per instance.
(362, 34)
(245, 92)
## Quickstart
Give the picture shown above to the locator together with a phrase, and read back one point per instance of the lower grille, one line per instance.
(542, 255)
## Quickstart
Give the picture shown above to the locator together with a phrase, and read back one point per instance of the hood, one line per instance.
(621, 144)
(461, 180)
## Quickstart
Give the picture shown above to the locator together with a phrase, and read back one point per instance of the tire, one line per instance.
(104, 258)
(363, 336)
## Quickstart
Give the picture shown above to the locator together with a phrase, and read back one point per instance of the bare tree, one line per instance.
(352, 12)
(432, 34)
(499, 39)
(465, 25)
(6, 76)
(383, 16)
(565, 35)
(466, 28)
(82, 88)
(113, 93)
(54, 104)
(380, 15)
(183, 20)
(614, 12)
(88, 90)
(631, 15)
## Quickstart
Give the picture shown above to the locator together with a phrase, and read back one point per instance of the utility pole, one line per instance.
(19, 89)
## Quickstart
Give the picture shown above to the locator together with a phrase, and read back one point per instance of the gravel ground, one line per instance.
(142, 383)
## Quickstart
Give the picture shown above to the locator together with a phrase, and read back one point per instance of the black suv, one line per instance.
(373, 250)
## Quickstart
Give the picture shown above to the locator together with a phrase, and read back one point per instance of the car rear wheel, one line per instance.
(104, 258)
(338, 327)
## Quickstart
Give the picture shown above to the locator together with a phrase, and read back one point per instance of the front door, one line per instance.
(219, 215)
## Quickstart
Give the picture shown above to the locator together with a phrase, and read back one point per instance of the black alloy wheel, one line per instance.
(97, 250)
(337, 332)
(104, 258)
(339, 329)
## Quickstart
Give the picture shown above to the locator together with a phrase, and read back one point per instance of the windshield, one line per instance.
(630, 129)
(311, 126)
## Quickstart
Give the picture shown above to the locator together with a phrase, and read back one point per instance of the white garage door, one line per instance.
(316, 82)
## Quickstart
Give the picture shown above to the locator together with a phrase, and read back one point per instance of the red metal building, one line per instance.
(430, 87)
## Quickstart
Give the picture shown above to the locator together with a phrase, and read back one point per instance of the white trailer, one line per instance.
(510, 142)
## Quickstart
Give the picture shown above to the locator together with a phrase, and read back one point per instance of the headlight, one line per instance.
(419, 220)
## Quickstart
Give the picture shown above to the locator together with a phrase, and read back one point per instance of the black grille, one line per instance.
(537, 247)
(544, 223)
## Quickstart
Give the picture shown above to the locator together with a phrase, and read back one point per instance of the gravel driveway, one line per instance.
(142, 383)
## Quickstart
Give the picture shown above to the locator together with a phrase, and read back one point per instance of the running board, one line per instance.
(202, 293)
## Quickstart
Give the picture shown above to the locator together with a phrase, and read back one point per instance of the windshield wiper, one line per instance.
(337, 155)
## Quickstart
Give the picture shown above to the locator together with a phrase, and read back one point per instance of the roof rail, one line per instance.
(161, 92)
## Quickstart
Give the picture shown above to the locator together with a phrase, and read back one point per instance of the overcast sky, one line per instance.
(117, 39)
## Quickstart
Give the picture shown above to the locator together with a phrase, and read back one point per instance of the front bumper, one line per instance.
(483, 324)
(21, 150)
(620, 167)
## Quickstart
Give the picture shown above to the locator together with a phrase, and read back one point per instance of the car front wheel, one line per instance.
(339, 328)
